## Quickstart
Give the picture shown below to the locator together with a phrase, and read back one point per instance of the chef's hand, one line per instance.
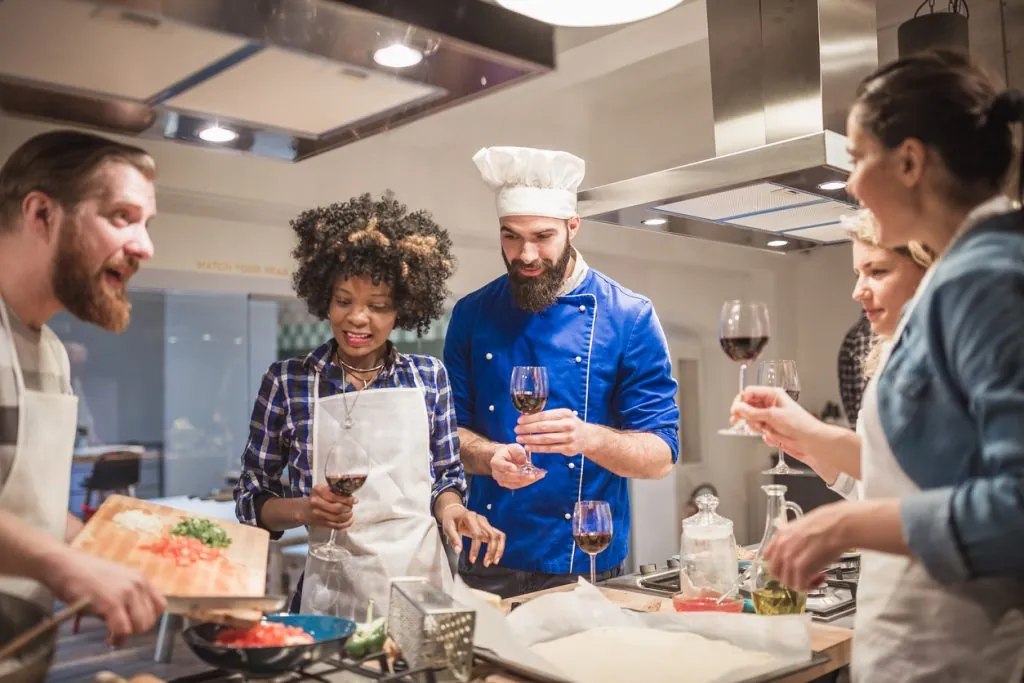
(328, 509)
(122, 596)
(554, 431)
(803, 548)
(505, 467)
(782, 422)
(457, 521)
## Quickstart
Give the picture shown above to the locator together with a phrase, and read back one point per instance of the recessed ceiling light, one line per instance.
(654, 221)
(216, 133)
(778, 243)
(588, 12)
(398, 56)
(832, 185)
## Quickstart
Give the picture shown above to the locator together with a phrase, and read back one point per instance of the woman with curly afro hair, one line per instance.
(367, 435)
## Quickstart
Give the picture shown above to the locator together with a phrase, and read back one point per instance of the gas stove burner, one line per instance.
(372, 668)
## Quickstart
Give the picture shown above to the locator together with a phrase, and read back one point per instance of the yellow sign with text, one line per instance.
(243, 268)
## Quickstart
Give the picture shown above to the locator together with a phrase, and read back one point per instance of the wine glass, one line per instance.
(782, 374)
(743, 333)
(592, 530)
(345, 469)
(529, 390)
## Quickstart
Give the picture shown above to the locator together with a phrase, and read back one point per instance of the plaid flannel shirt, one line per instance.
(855, 348)
(280, 436)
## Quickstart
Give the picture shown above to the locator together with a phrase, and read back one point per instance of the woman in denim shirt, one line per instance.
(942, 461)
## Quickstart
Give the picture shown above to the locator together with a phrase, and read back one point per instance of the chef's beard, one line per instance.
(84, 292)
(534, 294)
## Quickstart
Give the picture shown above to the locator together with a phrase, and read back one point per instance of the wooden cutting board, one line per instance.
(242, 569)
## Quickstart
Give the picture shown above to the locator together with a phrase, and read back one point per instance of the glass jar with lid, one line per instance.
(707, 553)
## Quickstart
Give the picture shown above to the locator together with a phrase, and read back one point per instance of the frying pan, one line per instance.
(329, 636)
(32, 661)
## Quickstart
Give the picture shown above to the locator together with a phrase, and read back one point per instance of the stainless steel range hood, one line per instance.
(783, 73)
(290, 78)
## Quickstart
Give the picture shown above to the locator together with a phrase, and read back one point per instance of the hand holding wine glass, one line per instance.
(592, 530)
(781, 374)
(743, 332)
(345, 470)
(529, 391)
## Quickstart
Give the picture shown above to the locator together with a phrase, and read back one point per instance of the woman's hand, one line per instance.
(329, 510)
(457, 521)
(782, 422)
(803, 548)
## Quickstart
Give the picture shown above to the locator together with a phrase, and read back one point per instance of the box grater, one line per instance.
(431, 628)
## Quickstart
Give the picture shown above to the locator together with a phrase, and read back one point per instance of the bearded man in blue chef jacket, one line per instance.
(611, 413)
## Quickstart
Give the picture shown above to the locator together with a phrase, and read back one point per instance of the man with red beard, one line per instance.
(611, 412)
(74, 210)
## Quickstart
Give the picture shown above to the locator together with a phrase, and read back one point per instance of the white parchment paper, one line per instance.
(559, 615)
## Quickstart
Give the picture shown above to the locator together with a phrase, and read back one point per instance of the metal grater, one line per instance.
(432, 630)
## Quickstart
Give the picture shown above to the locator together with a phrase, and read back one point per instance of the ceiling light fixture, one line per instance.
(216, 133)
(398, 56)
(579, 13)
(654, 221)
(778, 243)
(832, 185)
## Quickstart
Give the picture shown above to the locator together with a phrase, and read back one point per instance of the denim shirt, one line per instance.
(951, 403)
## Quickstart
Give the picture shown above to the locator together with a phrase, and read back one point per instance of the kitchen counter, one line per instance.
(81, 656)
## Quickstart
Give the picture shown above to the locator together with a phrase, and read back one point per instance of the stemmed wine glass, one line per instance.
(346, 468)
(743, 333)
(529, 390)
(592, 530)
(782, 374)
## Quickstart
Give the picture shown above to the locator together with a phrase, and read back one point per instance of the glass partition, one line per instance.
(177, 387)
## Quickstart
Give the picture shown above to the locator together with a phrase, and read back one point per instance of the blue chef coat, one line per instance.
(607, 361)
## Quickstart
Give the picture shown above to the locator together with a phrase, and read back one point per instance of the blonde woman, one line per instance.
(886, 280)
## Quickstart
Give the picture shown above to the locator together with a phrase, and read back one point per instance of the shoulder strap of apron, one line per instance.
(19, 379)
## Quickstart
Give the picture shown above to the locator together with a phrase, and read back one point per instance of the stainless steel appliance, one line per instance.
(833, 601)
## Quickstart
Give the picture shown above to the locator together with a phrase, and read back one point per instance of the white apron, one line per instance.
(908, 627)
(37, 487)
(395, 533)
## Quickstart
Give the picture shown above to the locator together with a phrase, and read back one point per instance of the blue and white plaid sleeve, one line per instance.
(264, 457)
(449, 473)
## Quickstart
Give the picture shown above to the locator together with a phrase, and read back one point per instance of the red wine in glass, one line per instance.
(593, 542)
(743, 349)
(528, 389)
(592, 530)
(345, 484)
(345, 469)
(528, 402)
(743, 332)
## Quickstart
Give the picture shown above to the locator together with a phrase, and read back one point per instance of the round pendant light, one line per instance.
(578, 13)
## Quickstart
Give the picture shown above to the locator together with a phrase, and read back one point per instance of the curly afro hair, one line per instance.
(381, 240)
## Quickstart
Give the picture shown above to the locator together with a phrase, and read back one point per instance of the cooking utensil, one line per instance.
(431, 628)
(183, 604)
(329, 636)
(226, 610)
(47, 625)
(18, 615)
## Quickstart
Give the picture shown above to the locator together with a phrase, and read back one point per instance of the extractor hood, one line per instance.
(783, 74)
(287, 79)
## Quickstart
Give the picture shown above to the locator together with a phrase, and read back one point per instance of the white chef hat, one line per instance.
(531, 182)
